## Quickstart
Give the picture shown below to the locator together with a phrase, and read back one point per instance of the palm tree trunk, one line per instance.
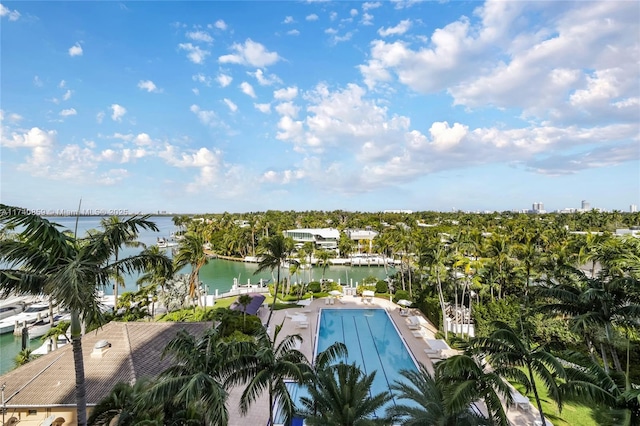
(78, 361)
(270, 404)
(605, 361)
(275, 297)
(535, 393)
(444, 314)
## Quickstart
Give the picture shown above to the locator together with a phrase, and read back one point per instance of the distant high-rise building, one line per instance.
(537, 207)
(586, 205)
(633, 208)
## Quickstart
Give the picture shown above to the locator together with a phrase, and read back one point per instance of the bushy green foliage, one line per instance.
(430, 307)
(401, 294)
(314, 286)
(507, 310)
(362, 288)
(382, 286)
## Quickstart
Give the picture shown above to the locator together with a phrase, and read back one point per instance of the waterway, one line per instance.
(217, 275)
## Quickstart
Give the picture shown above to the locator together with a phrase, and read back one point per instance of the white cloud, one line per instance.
(100, 116)
(353, 12)
(333, 16)
(220, 24)
(37, 82)
(75, 50)
(284, 177)
(312, 17)
(143, 139)
(263, 79)
(196, 91)
(293, 32)
(232, 107)
(286, 94)
(399, 29)
(112, 177)
(288, 20)
(264, 108)
(33, 138)
(224, 80)
(194, 53)
(62, 84)
(371, 5)
(288, 109)
(402, 4)
(12, 15)
(247, 89)
(149, 86)
(367, 19)
(118, 111)
(201, 36)
(68, 112)
(208, 118)
(67, 95)
(201, 78)
(250, 53)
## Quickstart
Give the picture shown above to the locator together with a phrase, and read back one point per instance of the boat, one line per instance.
(10, 310)
(165, 243)
(40, 328)
(32, 313)
(47, 346)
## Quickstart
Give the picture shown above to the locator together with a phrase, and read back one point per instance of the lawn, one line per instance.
(572, 414)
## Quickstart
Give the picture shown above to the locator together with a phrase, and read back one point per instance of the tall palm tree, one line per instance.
(435, 256)
(506, 351)
(321, 363)
(274, 253)
(191, 252)
(130, 241)
(343, 398)
(324, 261)
(196, 380)
(71, 270)
(244, 301)
(268, 367)
(429, 405)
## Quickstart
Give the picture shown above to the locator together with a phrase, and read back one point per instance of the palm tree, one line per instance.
(466, 382)
(590, 383)
(70, 270)
(343, 398)
(268, 367)
(324, 260)
(130, 241)
(191, 252)
(429, 404)
(23, 357)
(244, 301)
(599, 303)
(274, 253)
(124, 406)
(322, 362)
(506, 351)
(434, 256)
(196, 380)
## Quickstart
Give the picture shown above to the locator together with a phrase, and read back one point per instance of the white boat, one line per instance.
(32, 313)
(10, 310)
(164, 243)
(47, 346)
(40, 328)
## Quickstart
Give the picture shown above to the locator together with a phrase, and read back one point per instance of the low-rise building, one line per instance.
(325, 238)
(43, 391)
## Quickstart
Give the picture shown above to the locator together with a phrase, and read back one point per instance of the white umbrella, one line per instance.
(335, 293)
(368, 293)
(405, 302)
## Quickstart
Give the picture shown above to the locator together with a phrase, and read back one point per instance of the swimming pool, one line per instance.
(373, 343)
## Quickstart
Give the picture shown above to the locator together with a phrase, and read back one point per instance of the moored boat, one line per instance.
(32, 313)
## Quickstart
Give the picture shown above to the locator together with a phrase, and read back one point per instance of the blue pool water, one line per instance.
(373, 344)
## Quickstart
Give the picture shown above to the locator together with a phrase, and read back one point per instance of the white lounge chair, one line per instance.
(420, 334)
(302, 325)
(326, 301)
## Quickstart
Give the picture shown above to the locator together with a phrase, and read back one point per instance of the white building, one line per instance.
(364, 237)
(633, 208)
(326, 238)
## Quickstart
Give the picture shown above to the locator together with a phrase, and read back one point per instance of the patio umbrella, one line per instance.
(335, 293)
(404, 302)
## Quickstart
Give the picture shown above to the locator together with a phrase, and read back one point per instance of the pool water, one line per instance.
(373, 344)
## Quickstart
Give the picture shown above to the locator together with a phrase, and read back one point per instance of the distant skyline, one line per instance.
(197, 107)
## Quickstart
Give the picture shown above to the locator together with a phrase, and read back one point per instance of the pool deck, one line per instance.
(259, 413)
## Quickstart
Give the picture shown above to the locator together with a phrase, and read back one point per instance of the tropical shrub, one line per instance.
(382, 286)
(401, 294)
(315, 286)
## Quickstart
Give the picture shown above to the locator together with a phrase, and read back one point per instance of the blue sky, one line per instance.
(368, 106)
